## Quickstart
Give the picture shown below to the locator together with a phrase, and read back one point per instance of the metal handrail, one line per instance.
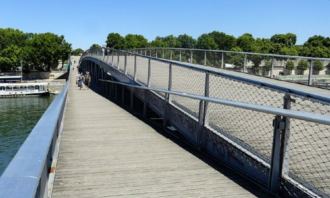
(307, 116)
(236, 52)
(282, 116)
(216, 71)
(26, 175)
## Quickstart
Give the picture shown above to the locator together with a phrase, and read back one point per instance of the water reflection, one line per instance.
(17, 118)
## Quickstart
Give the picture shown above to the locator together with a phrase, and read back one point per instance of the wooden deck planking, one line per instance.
(107, 152)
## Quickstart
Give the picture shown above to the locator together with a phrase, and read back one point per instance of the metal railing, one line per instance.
(266, 65)
(27, 173)
(285, 128)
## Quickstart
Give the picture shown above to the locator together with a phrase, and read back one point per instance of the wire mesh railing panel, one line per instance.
(251, 130)
(188, 81)
(159, 75)
(185, 56)
(121, 62)
(234, 62)
(198, 57)
(308, 149)
(130, 65)
(142, 70)
(176, 55)
(225, 88)
(115, 59)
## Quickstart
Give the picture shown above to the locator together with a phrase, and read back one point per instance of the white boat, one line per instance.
(23, 89)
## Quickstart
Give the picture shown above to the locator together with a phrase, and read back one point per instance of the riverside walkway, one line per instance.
(107, 152)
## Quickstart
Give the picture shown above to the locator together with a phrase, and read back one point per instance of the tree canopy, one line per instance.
(35, 51)
(285, 44)
(77, 52)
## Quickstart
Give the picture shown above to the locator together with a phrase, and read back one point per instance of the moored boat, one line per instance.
(23, 89)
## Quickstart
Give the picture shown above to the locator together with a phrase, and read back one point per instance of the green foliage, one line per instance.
(115, 40)
(293, 51)
(77, 52)
(302, 65)
(223, 41)
(268, 65)
(206, 41)
(10, 36)
(315, 46)
(289, 65)
(44, 50)
(186, 41)
(135, 41)
(246, 42)
(36, 51)
(318, 65)
(288, 40)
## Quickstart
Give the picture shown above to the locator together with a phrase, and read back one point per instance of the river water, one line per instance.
(17, 118)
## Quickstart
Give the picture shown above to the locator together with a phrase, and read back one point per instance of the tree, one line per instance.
(135, 41)
(292, 51)
(287, 40)
(43, 51)
(116, 41)
(171, 41)
(95, 48)
(10, 58)
(206, 41)
(302, 66)
(246, 42)
(289, 65)
(77, 52)
(9, 36)
(158, 42)
(186, 41)
(223, 41)
(317, 67)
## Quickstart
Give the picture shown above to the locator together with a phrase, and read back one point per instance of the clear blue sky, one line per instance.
(84, 22)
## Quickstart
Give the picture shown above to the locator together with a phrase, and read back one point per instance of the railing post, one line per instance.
(118, 60)
(245, 64)
(171, 55)
(168, 96)
(202, 113)
(135, 69)
(169, 82)
(222, 60)
(112, 58)
(280, 126)
(125, 64)
(191, 56)
(145, 103)
(163, 53)
(285, 140)
(272, 69)
(310, 74)
(149, 72)
(156, 51)
(205, 58)
(180, 56)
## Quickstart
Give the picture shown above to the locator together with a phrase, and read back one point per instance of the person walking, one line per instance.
(88, 79)
(80, 81)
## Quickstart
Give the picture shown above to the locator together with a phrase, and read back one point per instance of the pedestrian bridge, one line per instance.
(153, 127)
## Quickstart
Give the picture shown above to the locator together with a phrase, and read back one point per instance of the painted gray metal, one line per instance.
(260, 108)
(26, 175)
(215, 71)
(235, 52)
(322, 119)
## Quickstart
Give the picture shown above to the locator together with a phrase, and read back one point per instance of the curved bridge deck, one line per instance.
(107, 152)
